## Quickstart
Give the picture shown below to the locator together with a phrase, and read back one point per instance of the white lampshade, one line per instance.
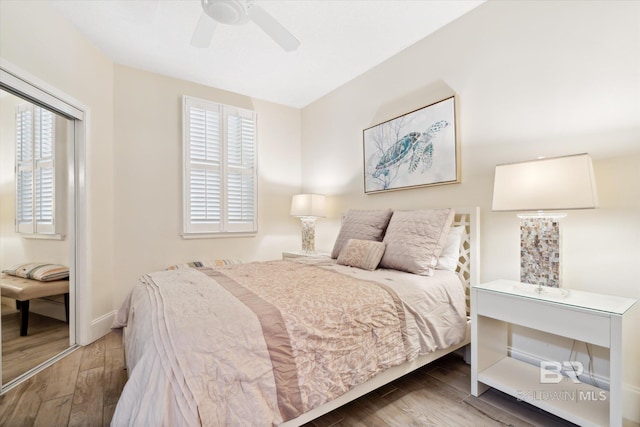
(545, 184)
(308, 205)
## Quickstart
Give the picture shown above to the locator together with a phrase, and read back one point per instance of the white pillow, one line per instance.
(450, 254)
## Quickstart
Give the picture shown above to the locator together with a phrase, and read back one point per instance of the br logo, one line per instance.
(551, 372)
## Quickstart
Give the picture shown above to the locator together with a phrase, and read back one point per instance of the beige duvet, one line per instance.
(261, 343)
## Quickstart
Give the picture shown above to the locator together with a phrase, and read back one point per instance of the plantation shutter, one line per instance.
(44, 172)
(35, 175)
(220, 172)
(24, 169)
(240, 172)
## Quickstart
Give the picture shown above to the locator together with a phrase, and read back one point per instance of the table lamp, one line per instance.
(545, 184)
(308, 207)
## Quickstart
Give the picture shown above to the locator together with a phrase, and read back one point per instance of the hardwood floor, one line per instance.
(437, 395)
(46, 338)
(82, 389)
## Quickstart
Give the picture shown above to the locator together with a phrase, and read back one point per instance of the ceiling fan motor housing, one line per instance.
(231, 12)
(236, 12)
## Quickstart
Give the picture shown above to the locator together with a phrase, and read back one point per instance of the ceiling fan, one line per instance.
(237, 12)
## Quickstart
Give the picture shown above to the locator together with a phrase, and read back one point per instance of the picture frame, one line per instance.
(416, 149)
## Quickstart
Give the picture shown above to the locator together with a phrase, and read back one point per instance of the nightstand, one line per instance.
(298, 254)
(583, 316)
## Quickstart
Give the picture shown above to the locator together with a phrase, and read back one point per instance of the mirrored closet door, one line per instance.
(36, 246)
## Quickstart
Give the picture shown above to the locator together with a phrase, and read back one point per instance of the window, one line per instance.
(35, 172)
(220, 177)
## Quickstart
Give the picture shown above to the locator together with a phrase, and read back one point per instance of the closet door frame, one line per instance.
(25, 85)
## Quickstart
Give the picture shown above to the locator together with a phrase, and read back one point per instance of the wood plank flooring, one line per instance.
(82, 389)
(46, 338)
(437, 395)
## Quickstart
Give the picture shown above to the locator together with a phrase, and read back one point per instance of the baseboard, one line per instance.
(49, 308)
(630, 393)
(101, 326)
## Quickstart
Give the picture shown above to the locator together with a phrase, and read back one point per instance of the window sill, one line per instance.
(43, 236)
(227, 235)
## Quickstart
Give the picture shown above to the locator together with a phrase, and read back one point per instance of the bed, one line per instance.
(283, 342)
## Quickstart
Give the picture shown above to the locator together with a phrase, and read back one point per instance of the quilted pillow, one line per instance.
(362, 225)
(415, 240)
(39, 271)
(212, 263)
(365, 254)
(450, 254)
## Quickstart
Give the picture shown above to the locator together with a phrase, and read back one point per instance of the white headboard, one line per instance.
(469, 262)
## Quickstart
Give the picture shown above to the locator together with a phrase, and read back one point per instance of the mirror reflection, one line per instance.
(35, 146)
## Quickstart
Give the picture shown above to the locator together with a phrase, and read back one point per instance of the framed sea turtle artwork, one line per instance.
(416, 149)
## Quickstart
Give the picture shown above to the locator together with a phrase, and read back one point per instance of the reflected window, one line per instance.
(37, 197)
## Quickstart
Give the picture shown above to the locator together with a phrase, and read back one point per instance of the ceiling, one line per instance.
(339, 40)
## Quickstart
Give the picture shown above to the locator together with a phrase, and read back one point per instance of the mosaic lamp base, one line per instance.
(308, 235)
(540, 250)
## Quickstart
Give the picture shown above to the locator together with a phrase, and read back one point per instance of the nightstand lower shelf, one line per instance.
(581, 403)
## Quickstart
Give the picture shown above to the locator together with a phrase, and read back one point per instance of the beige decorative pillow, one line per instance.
(362, 225)
(415, 239)
(365, 254)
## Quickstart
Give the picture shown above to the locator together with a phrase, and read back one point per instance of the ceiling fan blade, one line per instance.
(203, 33)
(273, 28)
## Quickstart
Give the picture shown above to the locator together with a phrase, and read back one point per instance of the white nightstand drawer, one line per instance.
(584, 325)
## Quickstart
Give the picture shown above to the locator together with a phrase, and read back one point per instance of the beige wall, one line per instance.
(532, 79)
(148, 177)
(133, 156)
(36, 39)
